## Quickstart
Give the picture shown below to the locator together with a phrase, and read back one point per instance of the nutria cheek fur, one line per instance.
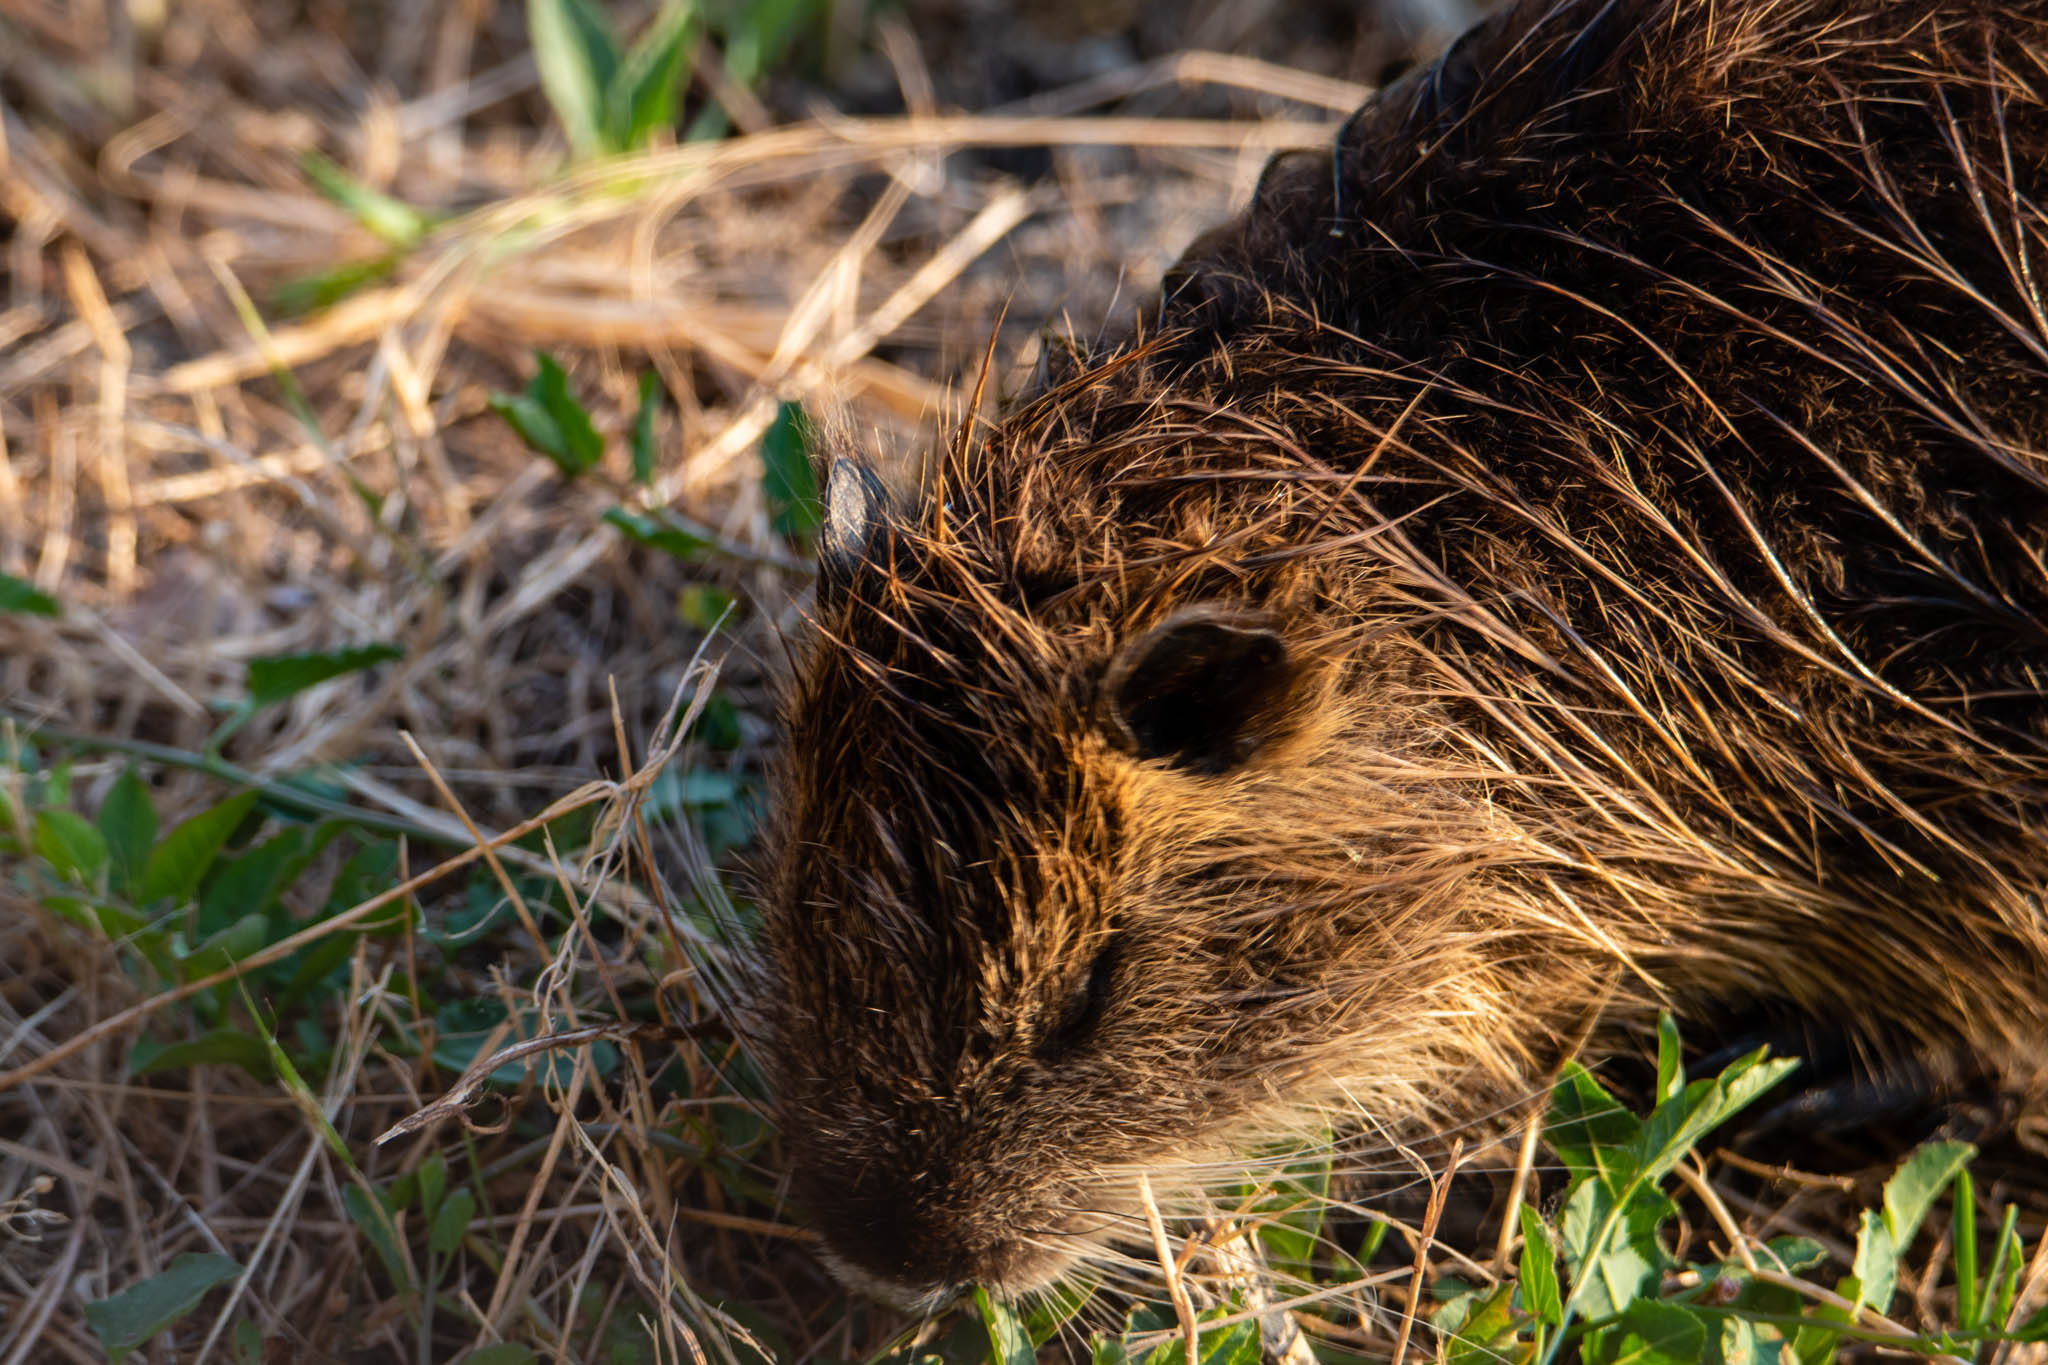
(1584, 539)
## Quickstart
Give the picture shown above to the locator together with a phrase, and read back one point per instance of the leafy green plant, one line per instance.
(609, 98)
(1622, 1297)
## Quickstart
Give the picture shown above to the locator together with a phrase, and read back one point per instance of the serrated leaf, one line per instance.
(72, 846)
(216, 1047)
(183, 856)
(1538, 1271)
(642, 96)
(663, 535)
(126, 1320)
(451, 1220)
(548, 417)
(1655, 1333)
(274, 677)
(787, 479)
(18, 594)
(1009, 1343)
(127, 821)
(578, 58)
(395, 221)
(643, 428)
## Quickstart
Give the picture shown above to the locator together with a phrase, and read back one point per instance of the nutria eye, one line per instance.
(1084, 1009)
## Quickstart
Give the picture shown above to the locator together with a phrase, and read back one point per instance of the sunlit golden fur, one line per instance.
(1636, 432)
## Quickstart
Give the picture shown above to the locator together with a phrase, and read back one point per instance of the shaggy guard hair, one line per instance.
(1582, 544)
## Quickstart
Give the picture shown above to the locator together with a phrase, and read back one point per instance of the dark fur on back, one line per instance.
(1586, 539)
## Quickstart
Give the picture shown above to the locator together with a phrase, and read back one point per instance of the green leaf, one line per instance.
(177, 863)
(1655, 1333)
(71, 845)
(126, 1320)
(127, 820)
(1795, 1253)
(369, 1212)
(546, 416)
(1670, 1070)
(1917, 1183)
(702, 606)
(788, 481)
(2001, 1282)
(642, 96)
(1609, 1272)
(217, 1047)
(1877, 1262)
(659, 534)
(1053, 1306)
(252, 883)
(1588, 1128)
(431, 1183)
(1964, 1202)
(274, 677)
(451, 1220)
(248, 1339)
(397, 222)
(643, 428)
(20, 595)
(578, 59)
(1478, 1327)
(325, 288)
(1009, 1343)
(1538, 1272)
(225, 948)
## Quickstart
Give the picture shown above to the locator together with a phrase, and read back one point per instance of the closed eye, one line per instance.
(1082, 1013)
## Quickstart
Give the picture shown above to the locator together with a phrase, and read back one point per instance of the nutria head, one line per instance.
(1590, 547)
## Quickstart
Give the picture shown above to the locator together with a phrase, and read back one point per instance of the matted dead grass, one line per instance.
(201, 477)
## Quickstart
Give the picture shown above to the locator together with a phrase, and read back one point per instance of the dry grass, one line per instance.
(200, 478)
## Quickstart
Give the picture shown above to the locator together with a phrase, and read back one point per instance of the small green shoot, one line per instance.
(19, 595)
(788, 481)
(608, 100)
(550, 420)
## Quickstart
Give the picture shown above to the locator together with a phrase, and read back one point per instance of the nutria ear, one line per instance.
(856, 523)
(1204, 691)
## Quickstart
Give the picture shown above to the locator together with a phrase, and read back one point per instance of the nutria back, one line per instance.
(1583, 539)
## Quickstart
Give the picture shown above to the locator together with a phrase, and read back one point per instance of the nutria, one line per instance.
(1584, 539)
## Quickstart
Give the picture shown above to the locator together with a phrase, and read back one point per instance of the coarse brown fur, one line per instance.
(1612, 492)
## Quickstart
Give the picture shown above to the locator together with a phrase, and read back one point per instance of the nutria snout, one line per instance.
(1583, 539)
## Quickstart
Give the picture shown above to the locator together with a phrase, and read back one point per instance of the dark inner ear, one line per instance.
(1201, 692)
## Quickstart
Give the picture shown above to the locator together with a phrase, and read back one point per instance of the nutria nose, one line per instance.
(923, 1253)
